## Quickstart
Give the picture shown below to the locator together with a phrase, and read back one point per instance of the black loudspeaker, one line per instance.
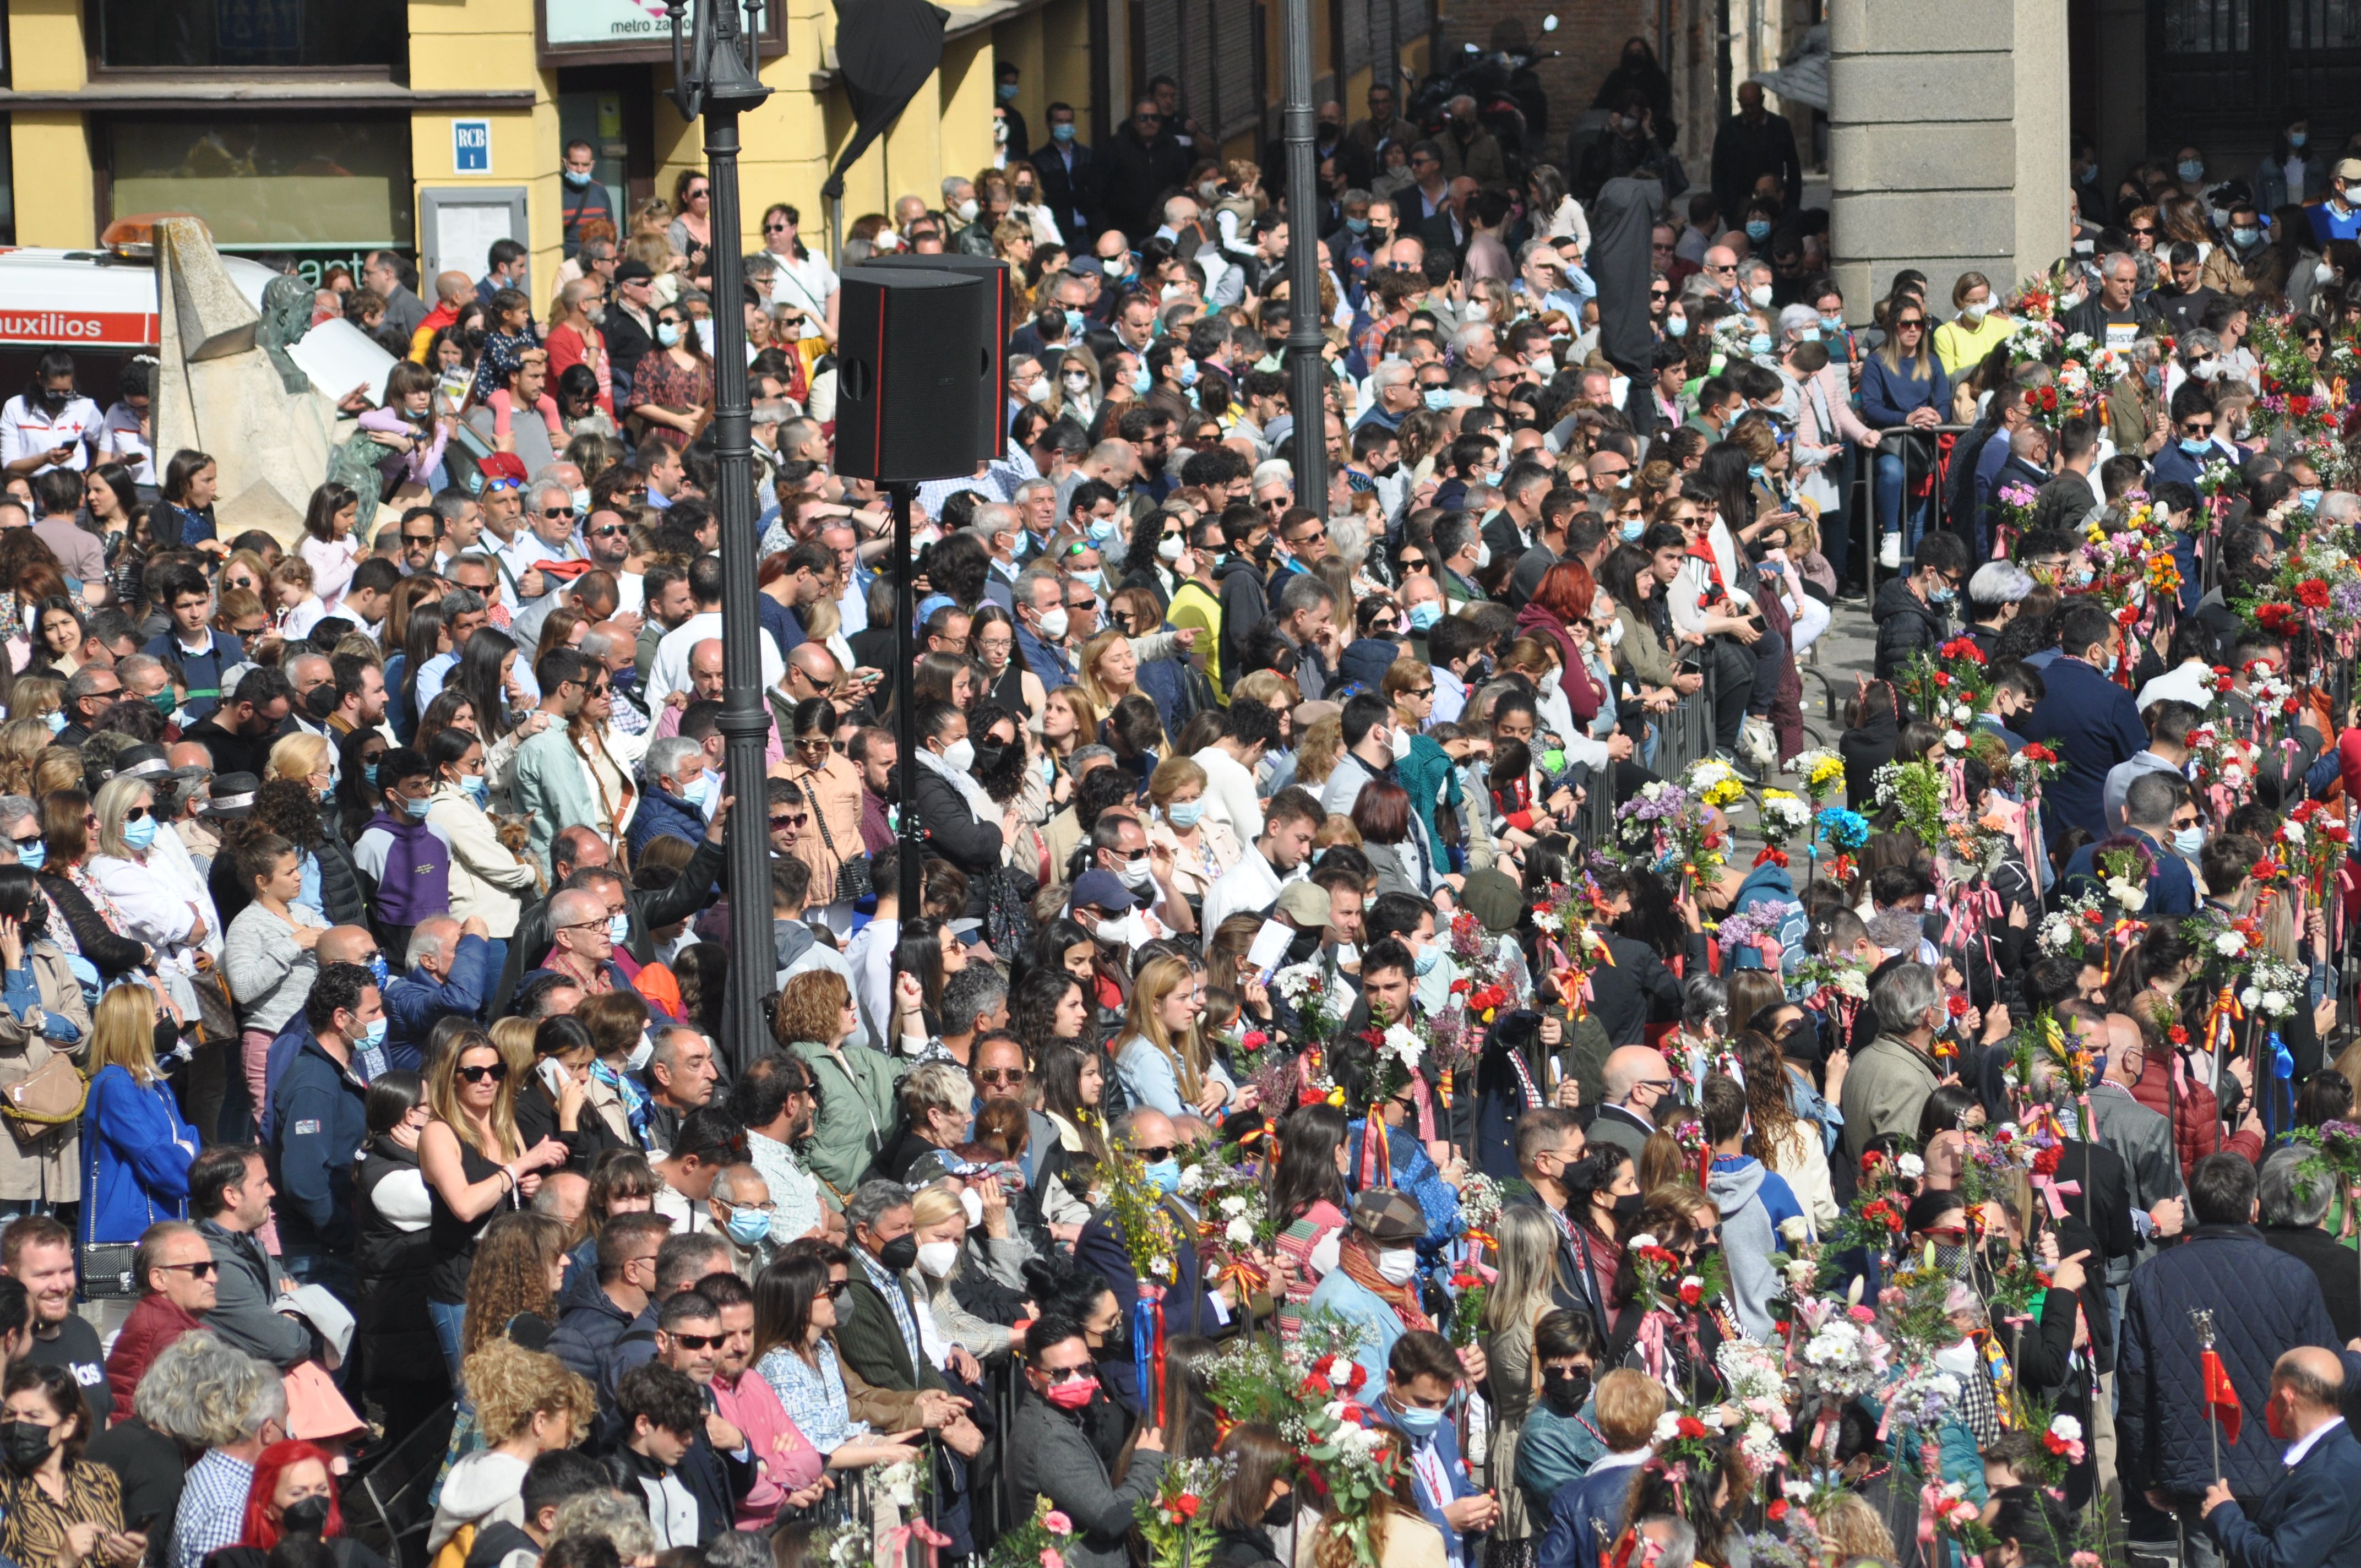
(911, 396)
(993, 431)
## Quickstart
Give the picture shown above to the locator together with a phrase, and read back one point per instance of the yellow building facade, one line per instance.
(324, 129)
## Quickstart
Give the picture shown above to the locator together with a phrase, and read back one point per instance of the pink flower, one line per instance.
(1861, 1314)
(1051, 1559)
(1057, 1524)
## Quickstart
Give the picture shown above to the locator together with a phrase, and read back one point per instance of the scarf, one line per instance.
(1353, 1258)
(635, 1105)
(979, 804)
(88, 886)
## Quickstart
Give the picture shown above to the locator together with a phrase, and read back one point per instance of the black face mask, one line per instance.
(1280, 1513)
(1303, 946)
(322, 700)
(1565, 1392)
(988, 754)
(1626, 1206)
(305, 1516)
(25, 1444)
(900, 1253)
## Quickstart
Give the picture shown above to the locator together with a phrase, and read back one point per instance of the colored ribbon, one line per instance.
(2054, 1192)
(896, 1547)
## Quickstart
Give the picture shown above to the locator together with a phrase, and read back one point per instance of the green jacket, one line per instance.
(857, 1111)
(1430, 778)
(871, 1340)
(1886, 1092)
(549, 783)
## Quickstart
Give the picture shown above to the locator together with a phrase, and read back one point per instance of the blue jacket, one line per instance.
(660, 814)
(2093, 724)
(1414, 1173)
(1188, 1310)
(1887, 398)
(2307, 1520)
(1555, 1451)
(135, 1152)
(202, 671)
(416, 1002)
(1355, 1303)
(321, 1117)
(1048, 663)
(2265, 1303)
(1444, 1446)
(1579, 1510)
(2172, 890)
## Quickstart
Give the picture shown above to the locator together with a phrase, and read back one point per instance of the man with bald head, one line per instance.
(705, 686)
(2308, 1516)
(452, 291)
(446, 973)
(1637, 1082)
(2141, 1137)
(337, 945)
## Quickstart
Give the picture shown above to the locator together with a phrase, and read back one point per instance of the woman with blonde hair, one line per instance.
(858, 1109)
(1528, 1240)
(22, 741)
(475, 1169)
(154, 884)
(1068, 719)
(1321, 749)
(1077, 394)
(1202, 848)
(949, 1248)
(519, 1270)
(136, 1144)
(1109, 672)
(1161, 1058)
(303, 758)
(527, 1404)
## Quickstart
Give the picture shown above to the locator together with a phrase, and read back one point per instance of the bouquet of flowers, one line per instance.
(2034, 766)
(1233, 1218)
(2124, 874)
(1038, 1543)
(1668, 828)
(1480, 1201)
(2273, 987)
(1917, 793)
(2011, 507)
(2074, 929)
(1176, 1522)
(1150, 1238)
(2313, 843)
(1950, 686)
(1305, 987)
(1781, 817)
(1756, 927)
(1845, 831)
(1820, 771)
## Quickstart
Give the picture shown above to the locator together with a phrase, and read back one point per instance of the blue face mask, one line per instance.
(1184, 813)
(1832, 323)
(1632, 531)
(1093, 577)
(1164, 1175)
(1427, 957)
(619, 928)
(140, 834)
(1104, 529)
(1006, 92)
(1074, 321)
(1061, 133)
(1754, 472)
(416, 810)
(2189, 840)
(2311, 500)
(2242, 238)
(2297, 138)
(2195, 448)
(1437, 397)
(368, 772)
(1187, 371)
(33, 855)
(696, 793)
(1419, 1423)
(1358, 226)
(748, 1226)
(576, 177)
(56, 722)
(2192, 170)
(1758, 229)
(372, 1034)
(668, 333)
(1944, 595)
(1424, 614)
(1759, 344)
(1140, 382)
(1676, 326)
(477, 789)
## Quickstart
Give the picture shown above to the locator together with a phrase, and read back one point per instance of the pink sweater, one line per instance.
(788, 1460)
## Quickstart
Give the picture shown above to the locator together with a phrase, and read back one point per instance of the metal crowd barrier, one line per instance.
(1683, 736)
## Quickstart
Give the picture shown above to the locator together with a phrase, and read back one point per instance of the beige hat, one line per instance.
(1308, 713)
(1304, 902)
(2348, 169)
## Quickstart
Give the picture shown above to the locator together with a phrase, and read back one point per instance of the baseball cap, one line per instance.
(2348, 169)
(503, 467)
(1304, 902)
(1102, 889)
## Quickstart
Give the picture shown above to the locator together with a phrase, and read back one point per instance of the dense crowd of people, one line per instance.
(1344, 1094)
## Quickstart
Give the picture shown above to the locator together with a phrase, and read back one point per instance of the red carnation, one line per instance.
(1692, 1427)
(2053, 1443)
(2045, 1161)
(1459, 987)
(2300, 406)
(2035, 751)
(1691, 1294)
(1942, 678)
(1956, 1005)
(1186, 1505)
(1777, 1510)
(2312, 593)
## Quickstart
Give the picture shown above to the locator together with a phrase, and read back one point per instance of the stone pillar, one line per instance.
(1946, 143)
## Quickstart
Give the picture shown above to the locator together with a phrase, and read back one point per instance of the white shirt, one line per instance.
(670, 672)
(804, 284)
(1251, 884)
(26, 429)
(2302, 1445)
(120, 434)
(2190, 682)
(1230, 794)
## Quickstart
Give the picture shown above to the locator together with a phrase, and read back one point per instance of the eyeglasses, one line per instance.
(1008, 1075)
(27, 842)
(777, 228)
(194, 1270)
(838, 1290)
(1157, 1156)
(496, 1073)
(2138, 229)
(493, 487)
(765, 1207)
(612, 532)
(701, 1342)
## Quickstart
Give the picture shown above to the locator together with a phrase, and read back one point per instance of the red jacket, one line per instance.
(154, 1323)
(2193, 1113)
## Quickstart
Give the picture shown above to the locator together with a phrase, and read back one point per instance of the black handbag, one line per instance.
(107, 1269)
(852, 882)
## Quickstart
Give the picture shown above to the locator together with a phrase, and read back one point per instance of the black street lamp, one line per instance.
(715, 77)
(1307, 369)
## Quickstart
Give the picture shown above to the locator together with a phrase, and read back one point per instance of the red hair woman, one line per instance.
(1560, 605)
(293, 1493)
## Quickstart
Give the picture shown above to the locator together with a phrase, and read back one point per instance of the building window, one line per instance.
(282, 184)
(250, 35)
(2207, 26)
(2324, 24)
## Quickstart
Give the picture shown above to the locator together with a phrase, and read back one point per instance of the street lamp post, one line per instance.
(715, 78)
(1307, 370)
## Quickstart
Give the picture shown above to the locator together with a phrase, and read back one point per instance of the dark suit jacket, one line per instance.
(2093, 724)
(2307, 1520)
(2332, 1265)
(1187, 1309)
(1638, 989)
(1073, 199)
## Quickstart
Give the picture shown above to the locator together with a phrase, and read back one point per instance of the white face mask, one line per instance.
(1053, 624)
(1324, 1254)
(965, 212)
(960, 755)
(1038, 392)
(1483, 556)
(1759, 296)
(937, 1258)
(1613, 634)
(1138, 875)
(1123, 933)
(1396, 1265)
(1400, 743)
(2324, 271)
(973, 1204)
(642, 1054)
(1169, 548)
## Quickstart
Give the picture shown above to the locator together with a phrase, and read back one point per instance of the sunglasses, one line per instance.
(797, 820)
(1910, 324)
(1157, 1156)
(699, 191)
(418, 539)
(137, 814)
(194, 1270)
(498, 1072)
(615, 531)
(557, 512)
(2137, 229)
(1081, 1374)
(494, 486)
(1011, 1075)
(777, 228)
(838, 1290)
(1413, 562)
(701, 1342)
(1419, 692)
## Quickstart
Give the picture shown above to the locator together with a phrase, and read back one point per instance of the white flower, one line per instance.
(2067, 1427)
(1643, 1240)
(1963, 712)
(1194, 1180)
(2294, 831)
(2276, 1002)
(1853, 984)
(2250, 996)
(1240, 1232)
(2131, 897)
(1668, 1426)
(1910, 1167)
(1956, 741)
(1548, 920)
(2228, 944)
(1161, 1267)
(1798, 1491)
(1234, 1204)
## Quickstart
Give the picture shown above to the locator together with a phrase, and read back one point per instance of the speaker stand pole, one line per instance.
(909, 834)
(1307, 369)
(745, 720)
